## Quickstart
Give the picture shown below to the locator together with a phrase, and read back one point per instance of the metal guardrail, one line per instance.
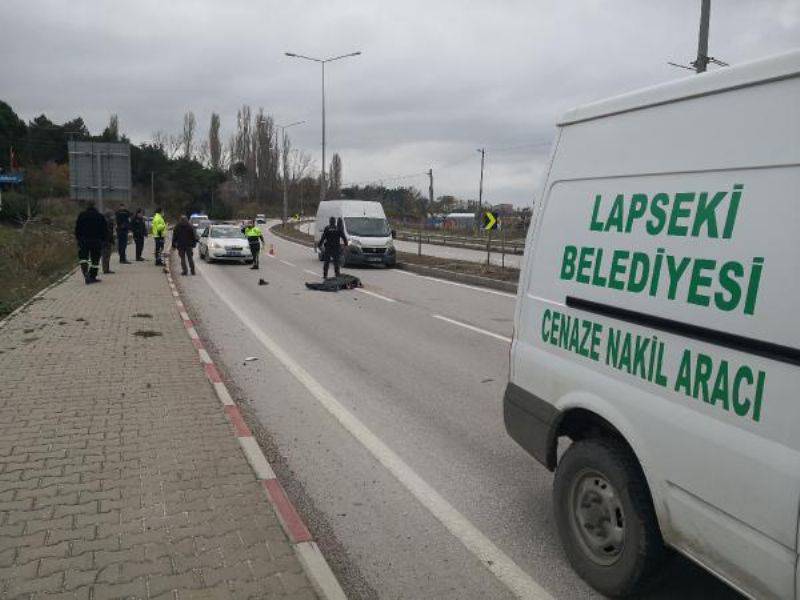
(498, 245)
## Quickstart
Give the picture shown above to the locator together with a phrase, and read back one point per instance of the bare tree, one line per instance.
(169, 144)
(111, 132)
(335, 176)
(215, 143)
(203, 153)
(187, 139)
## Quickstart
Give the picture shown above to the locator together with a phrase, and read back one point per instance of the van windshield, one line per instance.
(367, 226)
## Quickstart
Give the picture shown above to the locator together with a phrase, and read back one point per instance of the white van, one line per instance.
(369, 239)
(655, 328)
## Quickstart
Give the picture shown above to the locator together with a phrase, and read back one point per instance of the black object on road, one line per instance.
(334, 284)
(262, 282)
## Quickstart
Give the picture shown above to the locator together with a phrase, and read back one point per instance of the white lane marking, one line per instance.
(311, 272)
(363, 291)
(317, 567)
(493, 558)
(287, 263)
(473, 328)
(222, 393)
(256, 458)
(455, 283)
(204, 356)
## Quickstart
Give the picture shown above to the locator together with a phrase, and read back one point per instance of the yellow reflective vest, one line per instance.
(158, 227)
(252, 233)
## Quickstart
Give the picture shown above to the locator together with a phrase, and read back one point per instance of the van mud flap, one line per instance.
(530, 421)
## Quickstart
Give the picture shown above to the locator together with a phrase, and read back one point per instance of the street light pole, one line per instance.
(282, 129)
(480, 187)
(322, 61)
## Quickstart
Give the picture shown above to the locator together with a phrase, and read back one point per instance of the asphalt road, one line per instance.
(479, 256)
(385, 404)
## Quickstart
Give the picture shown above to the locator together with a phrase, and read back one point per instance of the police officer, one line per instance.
(255, 239)
(139, 231)
(90, 232)
(331, 250)
(108, 242)
(157, 230)
(123, 219)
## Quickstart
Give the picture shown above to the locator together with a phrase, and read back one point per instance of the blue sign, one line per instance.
(10, 177)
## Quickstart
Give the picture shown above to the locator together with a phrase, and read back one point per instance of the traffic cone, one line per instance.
(272, 249)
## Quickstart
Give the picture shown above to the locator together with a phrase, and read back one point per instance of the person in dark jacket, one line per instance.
(108, 242)
(184, 239)
(90, 232)
(331, 249)
(139, 231)
(123, 219)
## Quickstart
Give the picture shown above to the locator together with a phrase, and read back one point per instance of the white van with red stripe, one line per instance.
(657, 331)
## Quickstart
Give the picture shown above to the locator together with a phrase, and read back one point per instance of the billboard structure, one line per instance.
(100, 171)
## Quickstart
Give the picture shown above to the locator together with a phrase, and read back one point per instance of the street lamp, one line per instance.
(282, 129)
(322, 61)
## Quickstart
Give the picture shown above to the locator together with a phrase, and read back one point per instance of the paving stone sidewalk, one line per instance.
(119, 474)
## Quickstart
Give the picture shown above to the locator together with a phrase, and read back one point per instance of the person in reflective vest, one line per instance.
(157, 230)
(90, 232)
(255, 239)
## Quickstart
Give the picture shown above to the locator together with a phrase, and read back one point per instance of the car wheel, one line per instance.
(605, 517)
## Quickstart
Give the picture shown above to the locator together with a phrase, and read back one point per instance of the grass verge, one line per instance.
(31, 259)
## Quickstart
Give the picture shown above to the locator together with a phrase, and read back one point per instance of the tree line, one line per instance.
(184, 171)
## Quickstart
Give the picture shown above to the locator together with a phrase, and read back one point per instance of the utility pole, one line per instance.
(284, 156)
(430, 188)
(99, 180)
(701, 63)
(480, 188)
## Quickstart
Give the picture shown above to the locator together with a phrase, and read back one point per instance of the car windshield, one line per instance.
(367, 226)
(226, 232)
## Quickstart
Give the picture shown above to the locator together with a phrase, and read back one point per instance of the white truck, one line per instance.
(369, 239)
(656, 334)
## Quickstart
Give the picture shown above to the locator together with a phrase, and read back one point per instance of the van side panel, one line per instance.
(689, 213)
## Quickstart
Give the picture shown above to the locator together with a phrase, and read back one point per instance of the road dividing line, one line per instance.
(287, 263)
(473, 328)
(310, 272)
(374, 295)
(521, 584)
(455, 283)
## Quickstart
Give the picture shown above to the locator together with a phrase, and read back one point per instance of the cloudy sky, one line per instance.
(437, 79)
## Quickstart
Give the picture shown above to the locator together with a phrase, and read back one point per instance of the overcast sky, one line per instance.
(436, 80)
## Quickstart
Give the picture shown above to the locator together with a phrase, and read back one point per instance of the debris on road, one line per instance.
(262, 282)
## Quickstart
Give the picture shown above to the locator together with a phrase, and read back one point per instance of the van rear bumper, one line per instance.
(531, 422)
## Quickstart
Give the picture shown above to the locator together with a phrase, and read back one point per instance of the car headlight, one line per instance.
(390, 245)
(354, 244)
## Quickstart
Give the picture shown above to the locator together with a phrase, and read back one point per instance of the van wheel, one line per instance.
(605, 517)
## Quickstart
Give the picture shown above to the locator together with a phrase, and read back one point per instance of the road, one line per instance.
(385, 407)
(479, 256)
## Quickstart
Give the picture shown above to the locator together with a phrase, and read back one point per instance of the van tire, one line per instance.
(596, 461)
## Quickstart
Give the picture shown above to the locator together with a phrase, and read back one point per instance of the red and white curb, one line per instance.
(314, 563)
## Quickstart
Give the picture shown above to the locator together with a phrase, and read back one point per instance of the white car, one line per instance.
(224, 242)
